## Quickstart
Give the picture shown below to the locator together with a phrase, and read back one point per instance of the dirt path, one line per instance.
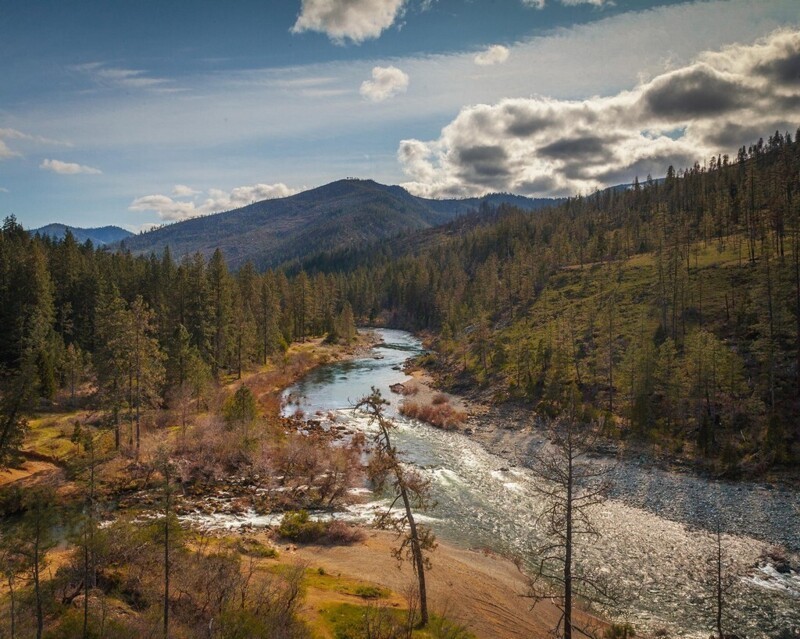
(480, 590)
(28, 469)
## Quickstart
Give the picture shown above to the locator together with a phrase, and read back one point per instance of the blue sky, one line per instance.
(149, 112)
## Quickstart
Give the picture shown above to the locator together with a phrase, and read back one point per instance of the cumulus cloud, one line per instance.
(496, 54)
(544, 146)
(170, 209)
(68, 168)
(386, 83)
(341, 20)
(181, 190)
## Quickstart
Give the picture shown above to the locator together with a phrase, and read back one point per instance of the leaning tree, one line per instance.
(386, 471)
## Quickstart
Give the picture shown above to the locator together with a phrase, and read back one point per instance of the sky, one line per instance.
(144, 113)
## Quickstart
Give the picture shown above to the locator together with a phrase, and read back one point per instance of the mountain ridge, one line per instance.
(101, 235)
(340, 214)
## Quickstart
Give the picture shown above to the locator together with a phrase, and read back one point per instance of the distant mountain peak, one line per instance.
(350, 212)
(100, 236)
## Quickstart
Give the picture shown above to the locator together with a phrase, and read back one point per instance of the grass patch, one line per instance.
(371, 592)
(51, 435)
(319, 579)
(350, 621)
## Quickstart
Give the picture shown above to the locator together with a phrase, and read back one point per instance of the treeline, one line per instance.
(145, 332)
(670, 309)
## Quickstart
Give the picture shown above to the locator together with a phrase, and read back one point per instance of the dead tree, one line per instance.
(722, 574)
(571, 485)
(386, 470)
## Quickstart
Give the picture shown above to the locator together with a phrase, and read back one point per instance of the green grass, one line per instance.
(321, 580)
(51, 435)
(348, 621)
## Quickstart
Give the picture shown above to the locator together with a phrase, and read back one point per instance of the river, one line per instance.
(655, 546)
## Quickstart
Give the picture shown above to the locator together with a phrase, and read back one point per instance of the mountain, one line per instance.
(99, 236)
(342, 214)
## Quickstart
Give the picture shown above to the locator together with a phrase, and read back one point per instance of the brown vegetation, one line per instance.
(439, 413)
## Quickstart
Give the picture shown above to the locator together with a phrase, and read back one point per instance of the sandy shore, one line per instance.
(480, 590)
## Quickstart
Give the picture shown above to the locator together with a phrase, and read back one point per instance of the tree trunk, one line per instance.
(138, 394)
(13, 611)
(36, 581)
(166, 559)
(796, 250)
(568, 551)
(419, 562)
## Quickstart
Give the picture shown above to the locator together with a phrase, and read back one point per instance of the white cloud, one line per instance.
(271, 129)
(5, 152)
(596, 3)
(217, 200)
(386, 83)
(13, 134)
(540, 4)
(496, 54)
(181, 190)
(119, 77)
(341, 20)
(4, 190)
(68, 168)
(545, 146)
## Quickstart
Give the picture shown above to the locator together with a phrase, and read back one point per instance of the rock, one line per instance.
(468, 431)
(397, 388)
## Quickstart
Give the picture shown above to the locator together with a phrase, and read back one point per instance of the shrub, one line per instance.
(441, 415)
(439, 398)
(340, 533)
(298, 526)
(619, 631)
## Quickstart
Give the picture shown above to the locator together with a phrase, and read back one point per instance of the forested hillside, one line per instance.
(346, 213)
(669, 311)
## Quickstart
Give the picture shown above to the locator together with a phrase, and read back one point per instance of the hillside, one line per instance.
(668, 312)
(347, 213)
(100, 236)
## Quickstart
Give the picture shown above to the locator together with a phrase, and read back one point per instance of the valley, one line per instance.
(576, 414)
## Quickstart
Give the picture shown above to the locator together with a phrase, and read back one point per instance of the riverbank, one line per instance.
(477, 589)
(765, 510)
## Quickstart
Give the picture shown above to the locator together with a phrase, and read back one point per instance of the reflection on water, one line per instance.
(653, 548)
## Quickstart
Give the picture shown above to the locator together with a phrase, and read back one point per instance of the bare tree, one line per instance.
(409, 487)
(721, 575)
(571, 485)
(171, 528)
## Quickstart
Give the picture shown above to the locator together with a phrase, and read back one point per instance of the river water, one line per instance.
(654, 547)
